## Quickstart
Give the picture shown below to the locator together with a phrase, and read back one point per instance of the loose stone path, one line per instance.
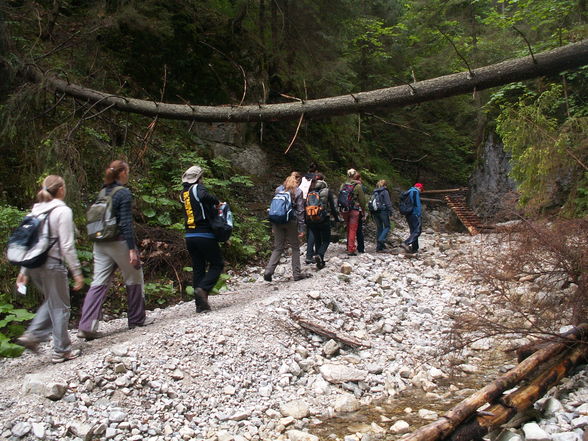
(246, 371)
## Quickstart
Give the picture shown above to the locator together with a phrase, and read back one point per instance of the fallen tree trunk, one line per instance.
(321, 330)
(443, 427)
(545, 63)
(493, 417)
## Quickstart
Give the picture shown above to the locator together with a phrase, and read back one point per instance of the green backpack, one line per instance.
(101, 223)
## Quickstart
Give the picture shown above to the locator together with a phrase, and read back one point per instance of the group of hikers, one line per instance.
(301, 205)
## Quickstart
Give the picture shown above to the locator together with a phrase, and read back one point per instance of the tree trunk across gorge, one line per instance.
(545, 63)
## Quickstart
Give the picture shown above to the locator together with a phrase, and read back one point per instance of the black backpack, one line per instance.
(406, 203)
(345, 200)
(30, 242)
(377, 203)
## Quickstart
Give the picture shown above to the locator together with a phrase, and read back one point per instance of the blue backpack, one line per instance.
(280, 209)
(406, 203)
(30, 243)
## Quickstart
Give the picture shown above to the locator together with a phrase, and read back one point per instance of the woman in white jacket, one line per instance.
(51, 277)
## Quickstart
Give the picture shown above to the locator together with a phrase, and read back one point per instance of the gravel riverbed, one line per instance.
(247, 371)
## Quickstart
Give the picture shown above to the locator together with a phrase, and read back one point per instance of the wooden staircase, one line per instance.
(457, 202)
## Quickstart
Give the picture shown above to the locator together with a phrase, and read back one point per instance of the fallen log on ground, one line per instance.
(322, 330)
(447, 424)
(477, 426)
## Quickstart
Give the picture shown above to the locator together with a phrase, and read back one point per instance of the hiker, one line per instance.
(352, 206)
(414, 220)
(307, 180)
(362, 219)
(320, 205)
(118, 253)
(199, 206)
(289, 229)
(382, 212)
(51, 277)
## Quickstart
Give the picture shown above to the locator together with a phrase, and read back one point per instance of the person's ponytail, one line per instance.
(114, 170)
(51, 185)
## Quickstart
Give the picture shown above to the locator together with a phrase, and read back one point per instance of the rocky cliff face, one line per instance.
(490, 184)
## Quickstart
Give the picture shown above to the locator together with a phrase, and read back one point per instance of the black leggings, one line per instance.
(205, 251)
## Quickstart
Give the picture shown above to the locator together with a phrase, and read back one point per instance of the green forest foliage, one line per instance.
(214, 52)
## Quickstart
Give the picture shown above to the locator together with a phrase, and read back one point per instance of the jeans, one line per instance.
(311, 245)
(414, 224)
(382, 219)
(360, 237)
(322, 237)
(205, 252)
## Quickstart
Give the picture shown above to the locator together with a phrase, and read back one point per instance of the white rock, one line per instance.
(229, 390)
(297, 409)
(34, 384)
(117, 416)
(39, 430)
(468, 368)
(566, 436)
(110, 433)
(426, 414)
(337, 373)
(224, 435)
(299, 435)
(346, 403)
(551, 406)
(187, 433)
(330, 348)
(55, 390)
(580, 422)
(177, 374)
(483, 344)
(436, 373)
(120, 350)
(346, 268)
(400, 427)
(21, 429)
(533, 432)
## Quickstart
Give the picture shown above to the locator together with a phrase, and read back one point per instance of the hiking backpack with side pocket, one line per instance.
(377, 203)
(101, 224)
(219, 219)
(30, 242)
(280, 210)
(406, 205)
(315, 210)
(345, 201)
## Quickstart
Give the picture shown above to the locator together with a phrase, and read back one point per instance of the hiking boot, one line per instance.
(267, 277)
(317, 260)
(88, 335)
(351, 254)
(321, 263)
(405, 247)
(301, 276)
(201, 298)
(148, 321)
(60, 357)
(309, 261)
(28, 342)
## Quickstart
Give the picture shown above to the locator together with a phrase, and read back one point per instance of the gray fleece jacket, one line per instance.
(63, 229)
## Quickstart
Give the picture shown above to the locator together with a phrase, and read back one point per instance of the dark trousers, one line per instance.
(414, 224)
(382, 219)
(322, 237)
(311, 245)
(360, 237)
(205, 252)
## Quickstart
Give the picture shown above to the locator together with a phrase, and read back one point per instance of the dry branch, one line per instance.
(546, 63)
(322, 330)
